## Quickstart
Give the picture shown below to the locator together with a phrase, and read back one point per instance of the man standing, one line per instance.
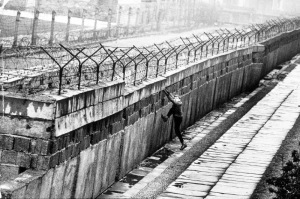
(177, 115)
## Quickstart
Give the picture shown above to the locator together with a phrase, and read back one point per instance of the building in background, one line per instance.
(267, 7)
(61, 7)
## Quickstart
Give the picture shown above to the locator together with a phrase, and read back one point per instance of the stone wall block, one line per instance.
(139, 149)
(90, 114)
(98, 94)
(100, 162)
(226, 91)
(159, 85)
(98, 111)
(90, 175)
(6, 142)
(33, 189)
(218, 90)
(46, 184)
(149, 132)
(87, 159)
(26, 127)
(196, 103)
(9, 157)
(255, 74)
(144, 137)
(202, 97)
(240, 79)
(110, 167)
(79, 101)
(19, 193)
(210, 90)
(131, 96)
(164, 133)
(157, 133)
(8, 171)
(31, 108)
(116, 139)
(247, 78)
(146, 91)
(126, 158)
(193, 106)
(112, 106)
(113, 90)
(63, 107)
(90, 97)
(70, 122)
(22, 144)
(134, 145)
(13, 189)
(234, 84)
(57, 182)
(23, 160)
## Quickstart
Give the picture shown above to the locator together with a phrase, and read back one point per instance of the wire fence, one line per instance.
(32, 69)
(40, 29)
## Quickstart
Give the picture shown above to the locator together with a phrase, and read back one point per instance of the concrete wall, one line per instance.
(77, 144)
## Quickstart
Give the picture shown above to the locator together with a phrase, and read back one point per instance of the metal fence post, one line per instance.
(34, 27)
(186, 14)
(95, 23)
(148, 13)
(15, 43)
(82, 25)
(137, 17)
(155, 15)
(189, 14)
(118, 21)
(109, 19)
(52, 28)
(158, 23)
(180, 13)
(174, 15)
(68, 26)
(129, 19)
(194, 11)
(143, 21)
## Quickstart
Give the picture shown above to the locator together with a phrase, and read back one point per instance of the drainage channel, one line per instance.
(233, 166)
(118, 189)
(134, 182)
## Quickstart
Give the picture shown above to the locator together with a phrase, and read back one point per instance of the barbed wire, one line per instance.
(32, 69)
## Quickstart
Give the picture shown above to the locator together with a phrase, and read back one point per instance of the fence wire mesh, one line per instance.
(42, 29)
(31, 69)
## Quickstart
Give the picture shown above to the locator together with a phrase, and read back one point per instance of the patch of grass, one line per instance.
(287, 184)
(282, 156)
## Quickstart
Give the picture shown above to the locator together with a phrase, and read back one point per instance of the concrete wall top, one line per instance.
(285, 35)
(60, 114)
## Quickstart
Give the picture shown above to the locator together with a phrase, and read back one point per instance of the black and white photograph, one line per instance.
(149, 99)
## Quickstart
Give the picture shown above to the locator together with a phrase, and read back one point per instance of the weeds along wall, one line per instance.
(77, 144)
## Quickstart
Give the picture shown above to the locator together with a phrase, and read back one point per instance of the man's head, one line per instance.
(177, 98)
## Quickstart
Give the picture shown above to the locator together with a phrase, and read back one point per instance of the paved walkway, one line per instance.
(234, 165)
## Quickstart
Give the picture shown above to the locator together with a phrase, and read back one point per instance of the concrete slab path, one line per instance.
(234, 165)
(157, 172)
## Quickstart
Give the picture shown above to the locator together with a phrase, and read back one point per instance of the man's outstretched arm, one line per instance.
(169, 96)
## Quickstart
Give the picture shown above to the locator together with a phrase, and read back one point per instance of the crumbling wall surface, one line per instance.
(76, 145)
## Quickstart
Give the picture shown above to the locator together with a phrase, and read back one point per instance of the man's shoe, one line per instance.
(183, 146)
